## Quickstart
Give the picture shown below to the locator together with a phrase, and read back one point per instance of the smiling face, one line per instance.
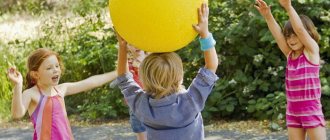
(291, 38)
(44, 67)
(49, 72)
(294, 42)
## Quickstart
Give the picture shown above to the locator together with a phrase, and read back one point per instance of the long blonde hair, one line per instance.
(161, 74)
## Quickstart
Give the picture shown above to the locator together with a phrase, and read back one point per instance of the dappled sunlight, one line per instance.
(27, 27)
(19, 28)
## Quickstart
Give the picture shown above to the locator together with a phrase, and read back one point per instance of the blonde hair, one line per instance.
(34, 61)
(161, 74)
(308, 25)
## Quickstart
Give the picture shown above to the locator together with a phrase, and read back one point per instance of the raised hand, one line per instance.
(263, 8)
(285, 3)
(121, 41)
(202, 27)
(14, 76)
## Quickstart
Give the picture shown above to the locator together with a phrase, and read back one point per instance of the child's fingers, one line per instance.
(11, 70)
(18, 73)
(199, 15)
(207, 10)
(263, 3)
(258, 3)
(196, 27)
(257, 7)
(203, 8)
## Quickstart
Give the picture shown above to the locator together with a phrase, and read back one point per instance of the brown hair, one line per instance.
(308, 25)
(161, 74)
(34, 62)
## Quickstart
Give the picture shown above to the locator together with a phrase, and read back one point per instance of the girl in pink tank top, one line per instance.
(298, 42)
(44, 97)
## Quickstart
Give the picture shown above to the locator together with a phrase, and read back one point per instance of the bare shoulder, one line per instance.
(314, 58)
(28, 92)
(62, 88)
(31, 93)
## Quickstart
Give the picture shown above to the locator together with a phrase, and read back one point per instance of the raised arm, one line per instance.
(20, 102)
(210, 54)
(87, 84)
(273, 26)
(122, 56)
(309, 43)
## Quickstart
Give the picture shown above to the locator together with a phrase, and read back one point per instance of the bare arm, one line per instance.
(87, 84)
(211, 59)
(273, 26)
(17, 108)
(20, 102)
(309, 43)
(210, 55)
(122, 56)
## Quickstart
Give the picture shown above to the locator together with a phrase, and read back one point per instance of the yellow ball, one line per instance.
(155, 25)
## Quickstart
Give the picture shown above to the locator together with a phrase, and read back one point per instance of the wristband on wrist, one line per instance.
(207, 43)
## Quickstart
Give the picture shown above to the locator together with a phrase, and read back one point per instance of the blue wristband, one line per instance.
(207, 43)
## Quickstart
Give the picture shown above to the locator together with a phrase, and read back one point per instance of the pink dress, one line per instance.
(50, 120)
(303, 93)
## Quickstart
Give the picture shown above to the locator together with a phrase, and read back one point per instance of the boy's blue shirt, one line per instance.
(174, 117)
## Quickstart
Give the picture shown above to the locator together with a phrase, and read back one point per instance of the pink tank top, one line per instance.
(303, 87)
(50, 120)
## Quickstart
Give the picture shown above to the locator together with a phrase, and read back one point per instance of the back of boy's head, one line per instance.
(34, 61)
(308, 25)
(161, 74)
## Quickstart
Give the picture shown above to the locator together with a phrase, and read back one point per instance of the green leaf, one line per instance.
(230, 108)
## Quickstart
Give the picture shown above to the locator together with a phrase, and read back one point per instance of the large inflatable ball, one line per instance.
(155, 25)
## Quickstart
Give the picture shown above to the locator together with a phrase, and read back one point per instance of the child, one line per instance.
(168, 111)
(136, 56)
(298, 42)
(44, 98)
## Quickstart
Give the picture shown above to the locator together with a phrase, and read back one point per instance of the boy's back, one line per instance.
(176, 116)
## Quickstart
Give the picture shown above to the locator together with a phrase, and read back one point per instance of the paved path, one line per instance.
(123, 132)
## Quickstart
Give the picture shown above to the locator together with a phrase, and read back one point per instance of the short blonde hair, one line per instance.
(161, 74)
(308, 25)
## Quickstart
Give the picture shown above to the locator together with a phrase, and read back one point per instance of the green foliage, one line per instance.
(39, 7)
(84, 7)
(9, 56)
(252, 69)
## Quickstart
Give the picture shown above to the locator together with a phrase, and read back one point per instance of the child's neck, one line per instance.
(296, 54)
(45, 89)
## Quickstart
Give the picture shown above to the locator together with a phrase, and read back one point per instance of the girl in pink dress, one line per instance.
(44, 97)
(298, 42)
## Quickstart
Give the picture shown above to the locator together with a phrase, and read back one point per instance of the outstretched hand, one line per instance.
(285, 3)
(121, 41)
(14, 76)
(262, 7)
(202, 27)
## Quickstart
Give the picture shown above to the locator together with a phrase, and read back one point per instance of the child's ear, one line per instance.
(34, 75)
